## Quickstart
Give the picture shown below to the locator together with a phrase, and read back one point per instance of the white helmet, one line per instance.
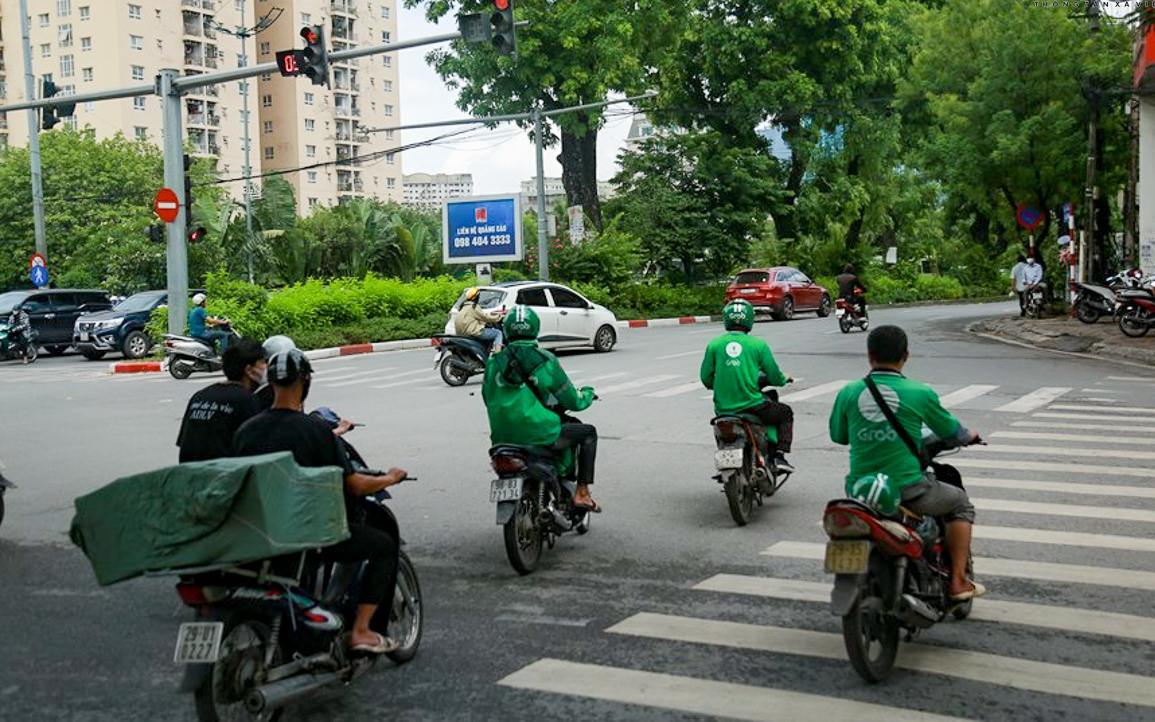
(199, 299)
(274, 345)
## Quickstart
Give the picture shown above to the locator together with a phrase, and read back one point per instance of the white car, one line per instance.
(568, 318)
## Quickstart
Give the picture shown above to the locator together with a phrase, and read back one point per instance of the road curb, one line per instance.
(1098, 351)
(660, 322)
(134, 367)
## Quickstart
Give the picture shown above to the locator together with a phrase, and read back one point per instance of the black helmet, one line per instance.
(289, 366)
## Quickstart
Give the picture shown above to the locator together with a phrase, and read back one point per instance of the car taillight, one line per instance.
(507, 464)
(843, 523)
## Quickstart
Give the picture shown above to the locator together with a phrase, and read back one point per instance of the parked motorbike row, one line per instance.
(1127, 298)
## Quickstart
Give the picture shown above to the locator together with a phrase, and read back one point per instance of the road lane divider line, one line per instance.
(1065, 451)
(1062, 487)
(1100, 408)
(680, 355)
(629, 385)
(1073, 619)
(675, 390)
(832, 387)
(1012, 465)
(990, 566)
(1076, 438)
(1144, 379)
(1036, 399)
(709, 698)
(965, 394)
(1045, 677)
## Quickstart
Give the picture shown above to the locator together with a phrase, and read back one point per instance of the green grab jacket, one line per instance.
(731, 367)
(518, 415)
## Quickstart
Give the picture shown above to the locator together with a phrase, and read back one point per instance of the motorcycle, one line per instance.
(1034, 306)
(5, 485)
(1136, 313)
(1093, 301)
(850, 315)
(534, 492)
(187, 354)
(744, 463)
(272, 632)
(10, 347)
(459, 357)
(890, 574)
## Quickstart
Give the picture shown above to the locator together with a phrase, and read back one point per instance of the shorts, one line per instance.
(931, 497)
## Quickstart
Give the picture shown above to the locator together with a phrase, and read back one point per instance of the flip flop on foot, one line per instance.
(589, 505)
(384, 645)
(977, 590)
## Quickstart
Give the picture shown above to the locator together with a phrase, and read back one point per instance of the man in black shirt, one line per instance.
(215, 412)
(851, 287)
(285, 428)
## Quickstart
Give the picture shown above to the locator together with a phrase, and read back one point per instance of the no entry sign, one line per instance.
(166, 205)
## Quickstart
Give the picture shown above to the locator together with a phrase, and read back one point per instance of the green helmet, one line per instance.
(876, 491)
(521, 323)
(738, 314)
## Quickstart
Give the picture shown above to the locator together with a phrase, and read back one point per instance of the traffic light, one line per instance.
(51, 115)
(196, 235)
(504, 41)
(315, 58)
(188, 194)
(156, 233)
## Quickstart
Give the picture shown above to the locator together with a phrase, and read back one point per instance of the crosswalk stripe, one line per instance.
(1071, 510)
(814, 391)
(1077, 438)
(1147, 379)
(675, 390)
(577, 379)
(1103, 409)
(628, 385)
(1064, 538)
(1057, 679)
(394, 384)
(1061, 487)
(680, 355)
(990, 566)
(1082, 417)
(1097, 469)
(705, 697)
(1033, 400)
(965, 394)
(1064, 451)
(1132, 429)
(1068, 619)
(327, 379)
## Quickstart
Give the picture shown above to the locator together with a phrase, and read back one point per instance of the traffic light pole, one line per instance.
(542, 234)
(33, 136)
(177, 270)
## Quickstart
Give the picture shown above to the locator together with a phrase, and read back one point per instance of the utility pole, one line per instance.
(33, 135)
(170, 98)
(1091, 192)
(542, 240)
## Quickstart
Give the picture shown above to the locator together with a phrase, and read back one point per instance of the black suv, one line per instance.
(119, 329)
(53, 311)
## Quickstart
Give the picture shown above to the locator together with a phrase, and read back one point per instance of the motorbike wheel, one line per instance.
(740, 496)
(56, 350)
(241, 664)
(1085, 313)
(451, 375)
(407, 616)
(32, 354)
(523, 538)
(871, 637)
(1133, 321)
(179, 369)
(864, 324)
(844, 325)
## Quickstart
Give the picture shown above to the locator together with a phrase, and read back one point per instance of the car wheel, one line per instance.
(787, 311)
(93, 354)
(605, 339)
(824, 307)
(136, 345)
(57, 350)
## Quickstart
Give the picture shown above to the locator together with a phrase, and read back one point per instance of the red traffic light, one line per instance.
(310, 35)
(197, 234)
(501, 4)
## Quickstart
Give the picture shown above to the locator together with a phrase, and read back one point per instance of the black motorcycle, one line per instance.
(744, 461)
(459, 357)
(18, 344)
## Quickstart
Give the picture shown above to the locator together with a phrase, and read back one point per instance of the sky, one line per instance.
(499, 159)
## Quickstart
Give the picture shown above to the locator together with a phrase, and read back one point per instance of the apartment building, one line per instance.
(555, 193)
(427, 191)
(91, 45)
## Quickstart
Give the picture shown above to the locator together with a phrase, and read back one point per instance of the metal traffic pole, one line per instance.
(173, 179)
(33, 136)
(542, 241)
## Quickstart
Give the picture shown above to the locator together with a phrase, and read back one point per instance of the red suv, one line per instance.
(779, 292)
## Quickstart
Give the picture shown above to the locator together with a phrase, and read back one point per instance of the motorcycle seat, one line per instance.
(734, 418)
(539, 452)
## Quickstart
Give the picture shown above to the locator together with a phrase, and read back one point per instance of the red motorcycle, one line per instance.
(851, 314)
(1136, 312)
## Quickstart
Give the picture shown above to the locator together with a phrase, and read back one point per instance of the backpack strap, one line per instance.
(886, 410)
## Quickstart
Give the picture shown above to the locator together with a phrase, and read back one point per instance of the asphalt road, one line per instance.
(665, 610)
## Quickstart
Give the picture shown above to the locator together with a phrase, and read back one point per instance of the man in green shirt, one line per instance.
(877, 450)
(526, 392)
(732, 367)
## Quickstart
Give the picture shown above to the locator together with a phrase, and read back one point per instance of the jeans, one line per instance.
(211, 335)
(490, 337)
(585, 438)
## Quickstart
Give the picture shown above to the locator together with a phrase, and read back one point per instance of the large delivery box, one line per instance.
(219, 512)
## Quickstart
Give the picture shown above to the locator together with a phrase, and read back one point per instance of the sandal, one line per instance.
(591, 507)
(384, 645)
(976, 591)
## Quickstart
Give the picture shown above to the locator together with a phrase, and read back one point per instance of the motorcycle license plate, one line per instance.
(507, 489)
(198, 642)
(840, 312)
(847, 557)
(728, 459)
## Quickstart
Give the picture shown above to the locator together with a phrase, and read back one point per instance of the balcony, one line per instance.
(210, 62)
(193, 25)
(343, 6)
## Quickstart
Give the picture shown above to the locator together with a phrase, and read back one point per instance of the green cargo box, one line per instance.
(219, 512)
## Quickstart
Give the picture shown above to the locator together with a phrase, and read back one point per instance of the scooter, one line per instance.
(10, 348)
(1093, 301)
(1035, 306)
(459, 357)
(1136, 313)
(187, 354)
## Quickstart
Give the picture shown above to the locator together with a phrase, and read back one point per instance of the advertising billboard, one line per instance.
(481, 229)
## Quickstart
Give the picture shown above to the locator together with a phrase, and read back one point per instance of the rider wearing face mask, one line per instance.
(215, 412)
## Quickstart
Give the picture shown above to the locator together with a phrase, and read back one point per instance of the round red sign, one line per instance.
(166, 205)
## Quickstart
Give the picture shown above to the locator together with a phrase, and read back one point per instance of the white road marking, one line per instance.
(675, 390)
(636, 384)
(406, 382)
(1065, 538)
(1057, 679)
(1133, 429)
(1102, 400)
(709, 698)
(965, 394)
(1076, 438)
(989, 566)
(357, 378)
(1063, 451)
(1147, 379)
(1086, 417)
(1068, 468)
(1033, 400)
(1059, 487)
(1072, 510)
(577, 380)
(814, 391)
(680, 355)
(326, 379)
(406, 373)
(1072, 619)
(1137, 410)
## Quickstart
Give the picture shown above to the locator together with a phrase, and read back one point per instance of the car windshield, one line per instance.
(8, 302)
(748, 277)
(490, 298)
(138, 302)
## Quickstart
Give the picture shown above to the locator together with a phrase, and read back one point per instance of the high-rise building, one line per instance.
(427, 191)
(91, 45)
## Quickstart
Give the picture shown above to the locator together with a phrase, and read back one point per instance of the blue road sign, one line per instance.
(481, 229)
(38, 275)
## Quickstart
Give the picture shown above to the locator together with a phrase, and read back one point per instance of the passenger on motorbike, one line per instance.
(878, 451)
(474, 321)
(731, 368)
(215, 412)
(198, 322)
(285, 428)
(20, 331)
(526, 395)
(851, 288)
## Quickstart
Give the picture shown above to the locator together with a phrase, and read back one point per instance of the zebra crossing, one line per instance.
(1030, 526)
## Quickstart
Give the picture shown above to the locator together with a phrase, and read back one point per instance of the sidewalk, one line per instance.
(1063, 333)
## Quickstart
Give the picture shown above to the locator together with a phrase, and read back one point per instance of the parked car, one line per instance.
(119, 329)
(781, 292)
(53, 312)
(567, 317)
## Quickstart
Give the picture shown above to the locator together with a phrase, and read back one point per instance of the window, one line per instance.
(141, 132)
(67, 67)
(134, 12)
(390, 183)
(389, 158)
(308, 98)
(84, 13)
(242, 61)
(312, 176)
(86, 74)
(138, 72)
(269, 152)
(532, 297)
(264, 48)
(564, 298)
(388, 111)
(65, 35)
(388, 135)
(386, 37)
(387, 86)
(46, 50)
(310, 151)
(387, 61)
(310, 124)
(384, 12)
(44, 20)
(85, 45)
(267, 126)
(244, 116)
(266, 101)
(306, 19)
(267, 77)
(63, 8)
(312, 203)
(138, 103)
(136, 42)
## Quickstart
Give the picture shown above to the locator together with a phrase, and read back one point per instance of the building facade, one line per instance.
(427, 191)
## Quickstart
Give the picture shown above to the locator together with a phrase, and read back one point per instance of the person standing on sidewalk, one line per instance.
(1018, 285)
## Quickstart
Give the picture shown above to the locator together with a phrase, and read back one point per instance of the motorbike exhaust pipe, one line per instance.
(278, 694)
(560, 520)
(926, 614)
